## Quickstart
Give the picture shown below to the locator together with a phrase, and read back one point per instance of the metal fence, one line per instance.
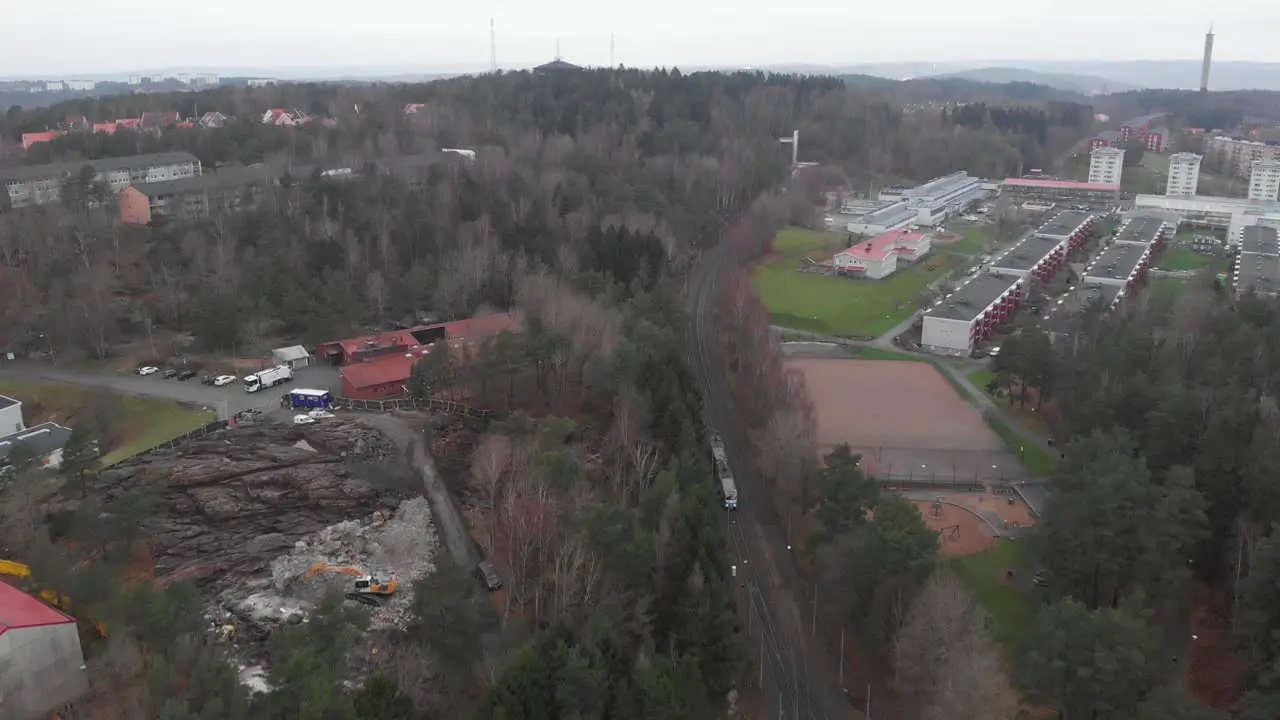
(444, 407)
(199, 432)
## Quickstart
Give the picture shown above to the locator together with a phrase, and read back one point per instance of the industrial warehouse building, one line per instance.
(1258, 264)
(959, 322)
(1014, 192)
(935, 201)
(882, 254)
(378, 366)
(873, 217)
(41, 662)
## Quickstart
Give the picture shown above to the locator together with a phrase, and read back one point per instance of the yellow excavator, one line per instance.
(366, 589)
(62, 602)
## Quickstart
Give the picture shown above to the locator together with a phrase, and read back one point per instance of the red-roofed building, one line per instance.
(129, 123)
(279, 116)
(413, 108)
(879, 256)
(29, 139)
(40, 655)
(105, 127)
(378, 366)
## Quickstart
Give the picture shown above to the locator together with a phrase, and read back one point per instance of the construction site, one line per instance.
(267, 519)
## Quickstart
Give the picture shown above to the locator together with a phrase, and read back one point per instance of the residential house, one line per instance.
(106, 127)
(279, 116)
(194, 197)
(29, 139)
(413, 108)
(155, 121)
(212, 119)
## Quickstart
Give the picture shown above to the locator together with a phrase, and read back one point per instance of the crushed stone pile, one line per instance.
(401, 544)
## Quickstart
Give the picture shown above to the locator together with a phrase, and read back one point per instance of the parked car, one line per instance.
(320, 414)
(224, 380)
(208, 379)
(303, 419)
(148, 370)
(488, 575)
(170, 373)
(186, 374)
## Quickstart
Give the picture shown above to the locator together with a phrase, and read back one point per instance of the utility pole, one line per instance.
(493, 48)
(841, 657)
(868, 712)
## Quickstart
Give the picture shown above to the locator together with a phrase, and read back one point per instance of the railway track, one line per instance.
(776, 628)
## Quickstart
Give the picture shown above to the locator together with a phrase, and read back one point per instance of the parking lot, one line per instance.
(225, 401)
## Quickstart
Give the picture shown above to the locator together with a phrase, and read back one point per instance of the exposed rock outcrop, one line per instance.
(236, 499)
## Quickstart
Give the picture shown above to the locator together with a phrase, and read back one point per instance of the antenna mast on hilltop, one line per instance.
(557, 49)
(611, 50)
(493, 48)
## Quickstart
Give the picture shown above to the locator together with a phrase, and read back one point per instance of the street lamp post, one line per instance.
(52, 354)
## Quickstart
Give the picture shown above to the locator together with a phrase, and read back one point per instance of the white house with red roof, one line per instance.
(41, 662)
(879, 256)
(279, 116)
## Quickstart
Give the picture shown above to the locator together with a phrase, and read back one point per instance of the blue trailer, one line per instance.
(304, 397)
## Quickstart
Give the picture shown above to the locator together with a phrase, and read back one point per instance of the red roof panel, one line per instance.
(20, 610)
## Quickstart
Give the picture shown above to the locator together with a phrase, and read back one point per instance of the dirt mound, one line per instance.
(229, 503)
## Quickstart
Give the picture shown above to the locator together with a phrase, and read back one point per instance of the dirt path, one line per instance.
(453, 532)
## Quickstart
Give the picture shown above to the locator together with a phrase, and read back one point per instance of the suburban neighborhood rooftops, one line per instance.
(20, 610)
(71, 167)
(1026, 254)
(1258, 273)
(972, 298)
(1259, 239)
(1060, 184)
(7, 402)
(1064, 224)
(1063, 315)
(1116, 262)
(1142, 230)
(40, 440)
(233, 178)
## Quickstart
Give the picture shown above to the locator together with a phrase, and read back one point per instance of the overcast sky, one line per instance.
(63, 38)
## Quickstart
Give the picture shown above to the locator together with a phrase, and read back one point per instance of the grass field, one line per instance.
(981, 379)
(1011, 609)
(1181, 258)
(972, 238)
(1036, 459)
(138, 423)
(833, 305)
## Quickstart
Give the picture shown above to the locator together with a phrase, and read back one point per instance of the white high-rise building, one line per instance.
(1264, 182)
(1184, 175)
(1106, 165)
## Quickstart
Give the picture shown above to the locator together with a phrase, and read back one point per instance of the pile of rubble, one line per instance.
(402, 544)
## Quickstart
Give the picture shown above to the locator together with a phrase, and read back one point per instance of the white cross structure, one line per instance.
(794, 141)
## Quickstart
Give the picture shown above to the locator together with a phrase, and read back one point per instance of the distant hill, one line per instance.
(947, 88)
(1082, 84)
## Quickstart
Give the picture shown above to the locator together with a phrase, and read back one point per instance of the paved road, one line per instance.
(225, 401)
(797, 677)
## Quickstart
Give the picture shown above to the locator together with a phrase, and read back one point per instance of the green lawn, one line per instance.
(971, 242)
(1166, 287)
(1011, 609)
(138, 423)
(981, 379)
(1035, 458)
(835, 305)
(1182, 258)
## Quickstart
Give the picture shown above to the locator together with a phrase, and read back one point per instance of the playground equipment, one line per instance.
(951, 532)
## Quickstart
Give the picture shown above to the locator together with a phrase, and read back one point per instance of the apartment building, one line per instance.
(195, 197)
(1106, 164)
(1236, 157)
(961, 321)
(1095, 196)
(1264, 181)
(1184, 175)
(40, 184)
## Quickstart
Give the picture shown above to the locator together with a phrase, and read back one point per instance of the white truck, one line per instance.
(267, 378)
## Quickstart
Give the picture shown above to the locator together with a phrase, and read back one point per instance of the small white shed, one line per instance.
(295, 356)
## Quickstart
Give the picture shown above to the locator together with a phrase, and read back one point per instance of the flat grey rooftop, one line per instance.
(971, 298)
(7, 402)
(1259, 239)
(1026, 253)
(1064, 314)
(1116, 262)
(221, 180)
(1063, 224)
(1258, 273)
(1140, 230)
(40, 440)
(101, 165)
